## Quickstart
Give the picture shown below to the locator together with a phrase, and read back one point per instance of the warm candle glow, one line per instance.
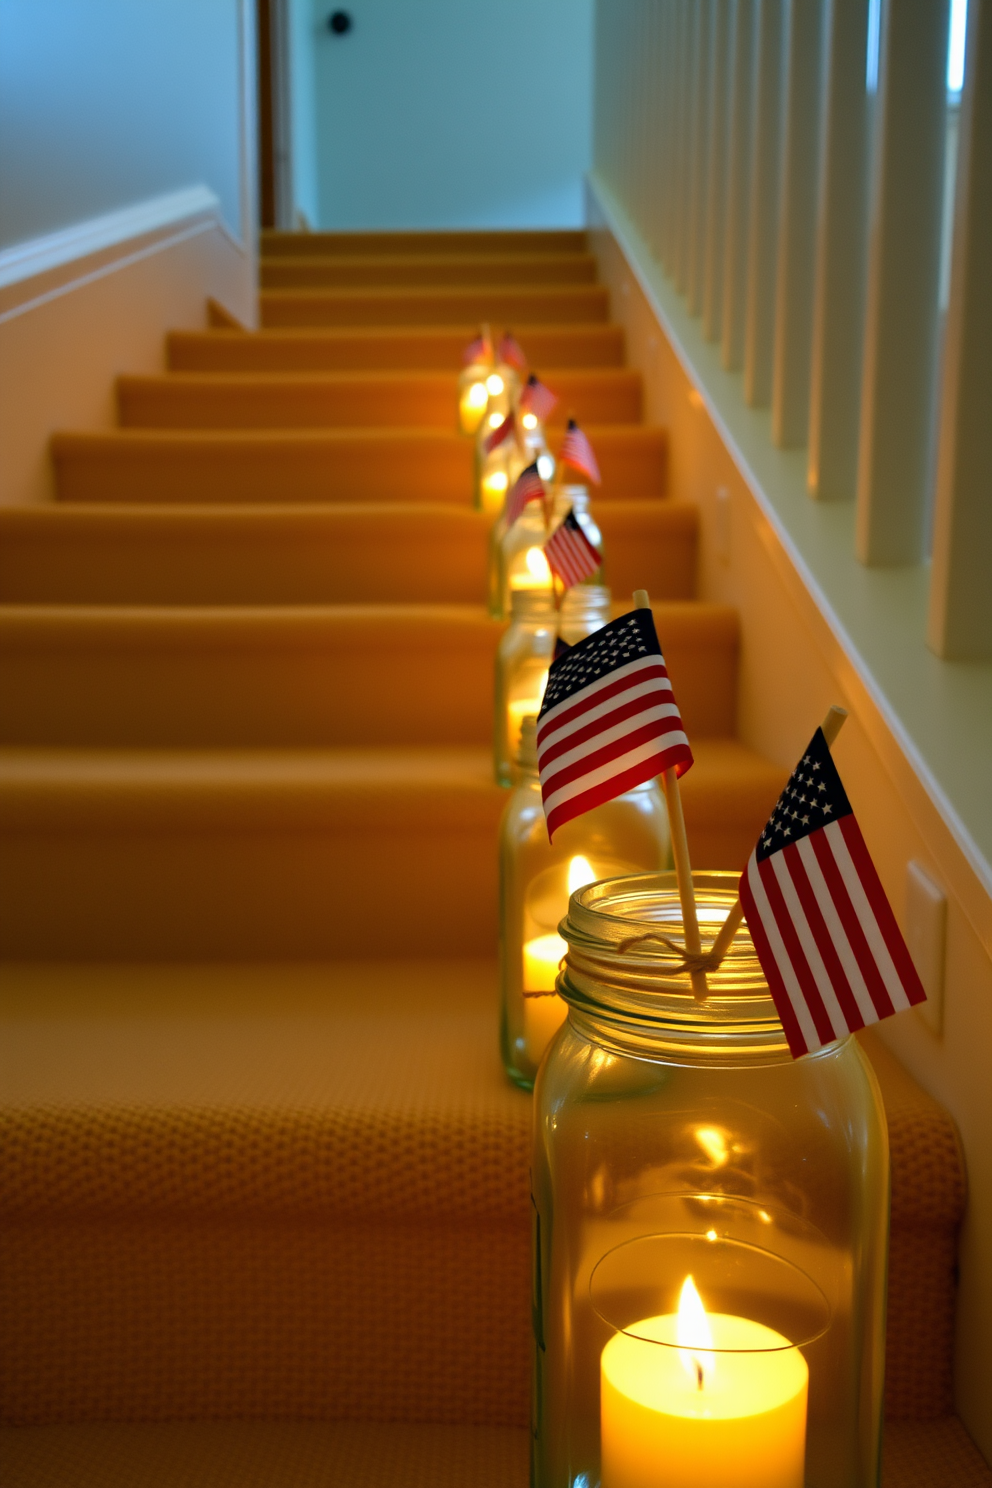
(580, 873)
(543, 1016)
(495, 419)
(472, 406)
(724, 1407)
(494, 384)
(529, 421)
(695, 1335)
(536, 575)
(545, 467)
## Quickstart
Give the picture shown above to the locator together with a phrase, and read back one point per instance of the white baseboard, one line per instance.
(81, 306)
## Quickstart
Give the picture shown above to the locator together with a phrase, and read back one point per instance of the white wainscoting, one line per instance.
(82, 305)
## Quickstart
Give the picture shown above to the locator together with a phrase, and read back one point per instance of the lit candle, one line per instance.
(472, 406)
(493, 491)
(544, 1015)
(688, 1414)
(535, 574)
(517, 709)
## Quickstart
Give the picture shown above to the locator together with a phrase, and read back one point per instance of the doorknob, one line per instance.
(339, 21)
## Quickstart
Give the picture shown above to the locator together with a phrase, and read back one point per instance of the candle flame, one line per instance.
(580, 873)
(477, 397)
(714, 1144)
(695, 1338)
(494, 384)
(497, 481)
(537, 564)
(529, 421)
(545, 467)
(495, 419)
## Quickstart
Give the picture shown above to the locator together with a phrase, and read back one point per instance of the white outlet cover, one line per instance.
(926, 937)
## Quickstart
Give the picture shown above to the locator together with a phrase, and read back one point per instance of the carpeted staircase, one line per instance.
(264, 1187)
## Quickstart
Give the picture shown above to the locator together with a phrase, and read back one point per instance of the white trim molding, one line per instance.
(34, 271)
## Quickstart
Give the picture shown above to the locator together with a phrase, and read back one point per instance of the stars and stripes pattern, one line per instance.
(479, 350)
(502, 431)
(537, 399)
(527, 487)
(578, 452)
(511, 353)
(823, 930)
(609, 720)
(570, 554)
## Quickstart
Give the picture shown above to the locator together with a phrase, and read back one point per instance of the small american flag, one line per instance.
(527, 487)
(479, 350)
(502, 431)
(609, 720)
(562, 648)
(537, 399)
(823, 930)
(511, 353)
(576, 450)
(570, 553)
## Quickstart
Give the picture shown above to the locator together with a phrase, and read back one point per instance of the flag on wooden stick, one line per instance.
(576, 450)
(479, 350)
(537, 399)
(570, 554)
(527, 487)
(824, 932)
(511, 353)
(609, 720)
(502, 431)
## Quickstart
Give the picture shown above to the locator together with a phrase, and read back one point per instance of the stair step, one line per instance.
(312, 400)
(388, 307)
(236, 555)
(337, 271)
(276, 243)
(303, 1191)
(327, 1454)
(316, 465)
(385, 348)
(255, 854)
(297, 676)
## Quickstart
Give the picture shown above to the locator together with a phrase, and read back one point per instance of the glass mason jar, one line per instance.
(522, 660)
(517, 560)
(585, 608)
(711, 1220)
(535, 880)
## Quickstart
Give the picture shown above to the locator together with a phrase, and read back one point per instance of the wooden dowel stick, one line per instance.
(831, 727)
(680, 854)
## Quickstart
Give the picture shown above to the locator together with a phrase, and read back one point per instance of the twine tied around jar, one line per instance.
(692, 961)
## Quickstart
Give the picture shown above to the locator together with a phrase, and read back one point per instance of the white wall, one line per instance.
(127, 197)
(453, 113)
(108, 102)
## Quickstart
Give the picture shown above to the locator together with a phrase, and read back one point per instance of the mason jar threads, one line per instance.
(536, 878)
(524, 655)
(711, 1220)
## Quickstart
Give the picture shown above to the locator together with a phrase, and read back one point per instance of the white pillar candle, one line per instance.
(543, 1015)
(675, 1417)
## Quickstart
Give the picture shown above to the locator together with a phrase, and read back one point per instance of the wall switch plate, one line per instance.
(721, 525)
(926, 937)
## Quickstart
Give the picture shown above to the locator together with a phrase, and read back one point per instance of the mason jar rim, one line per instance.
(625, 981)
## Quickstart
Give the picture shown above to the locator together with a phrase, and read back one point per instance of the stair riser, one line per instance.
(397, 558)
(227, 682)
(426, 401)
(382, 350)
(424, 307)
(275, 243)
(313, 467)
(269, 893)
(317, 273)
(270, 1318)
